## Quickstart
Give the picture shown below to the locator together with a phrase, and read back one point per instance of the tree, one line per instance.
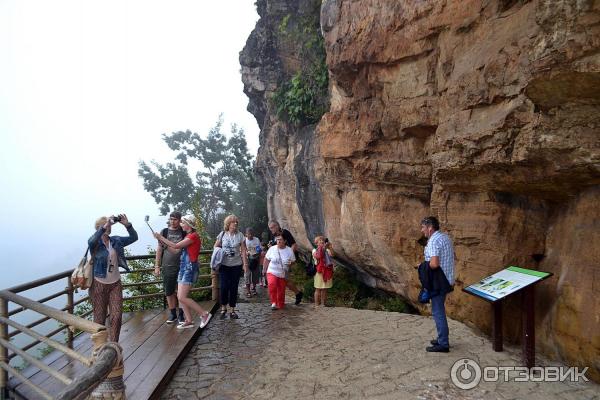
(224, 180)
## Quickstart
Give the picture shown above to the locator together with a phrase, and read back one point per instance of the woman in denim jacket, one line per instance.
(108, 253)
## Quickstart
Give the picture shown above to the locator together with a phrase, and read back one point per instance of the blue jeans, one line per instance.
(188, 274)
(438, 311)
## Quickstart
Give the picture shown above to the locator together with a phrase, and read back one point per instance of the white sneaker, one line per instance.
(273, 306)
(204, 320)
(185, 325)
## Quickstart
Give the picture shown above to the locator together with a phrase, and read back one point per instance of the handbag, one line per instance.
(82, 275)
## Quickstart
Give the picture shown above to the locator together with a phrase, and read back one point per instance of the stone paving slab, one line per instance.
(340, 353)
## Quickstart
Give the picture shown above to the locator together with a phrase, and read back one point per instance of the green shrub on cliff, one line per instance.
(302, 100)
(303, 97)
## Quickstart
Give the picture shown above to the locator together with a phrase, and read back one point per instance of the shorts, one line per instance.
(188, 275)
(170, 275)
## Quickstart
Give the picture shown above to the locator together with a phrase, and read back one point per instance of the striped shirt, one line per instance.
(440, 245)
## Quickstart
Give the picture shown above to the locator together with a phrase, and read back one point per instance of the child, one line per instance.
(324, 277)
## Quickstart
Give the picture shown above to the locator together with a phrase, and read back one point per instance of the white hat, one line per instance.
(190, 220)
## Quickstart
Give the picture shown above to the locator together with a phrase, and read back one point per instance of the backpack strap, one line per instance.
(165, 233)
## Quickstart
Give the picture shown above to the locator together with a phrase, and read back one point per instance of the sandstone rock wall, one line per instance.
(484, 113)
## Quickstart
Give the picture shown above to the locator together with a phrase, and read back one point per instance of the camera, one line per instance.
(116, 219)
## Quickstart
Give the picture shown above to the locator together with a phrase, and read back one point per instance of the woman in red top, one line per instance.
(188, 271)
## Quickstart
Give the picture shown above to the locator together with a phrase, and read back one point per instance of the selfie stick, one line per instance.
(146, 219)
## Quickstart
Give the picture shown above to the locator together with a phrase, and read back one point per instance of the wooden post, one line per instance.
(528, 316)
(497, 325)
(3, 350)
(113, 386)
(70, 310)
(214, 283)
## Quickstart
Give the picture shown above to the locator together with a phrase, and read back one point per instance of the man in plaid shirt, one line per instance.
(440, 254)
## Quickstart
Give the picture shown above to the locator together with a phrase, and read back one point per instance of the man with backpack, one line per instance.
(167, 265)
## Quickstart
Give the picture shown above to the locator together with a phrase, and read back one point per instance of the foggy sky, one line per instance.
(86, 90)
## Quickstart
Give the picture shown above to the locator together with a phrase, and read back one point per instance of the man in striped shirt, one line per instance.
(440, 254)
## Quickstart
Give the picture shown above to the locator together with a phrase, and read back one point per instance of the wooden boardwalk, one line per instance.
(152, 351)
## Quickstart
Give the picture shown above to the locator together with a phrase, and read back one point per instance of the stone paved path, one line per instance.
(340, 353)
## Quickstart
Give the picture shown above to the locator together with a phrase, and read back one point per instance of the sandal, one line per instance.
(233, 315)
(223, 314)
(248, 294)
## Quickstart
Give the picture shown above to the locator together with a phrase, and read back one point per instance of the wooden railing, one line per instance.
(106, 356)
(109, 353)
(214, 286)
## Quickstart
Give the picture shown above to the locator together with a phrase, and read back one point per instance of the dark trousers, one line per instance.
(229, 279)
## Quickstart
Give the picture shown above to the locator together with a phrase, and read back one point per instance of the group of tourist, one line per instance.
(177, 262)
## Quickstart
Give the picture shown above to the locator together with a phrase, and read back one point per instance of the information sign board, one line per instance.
(505, 282)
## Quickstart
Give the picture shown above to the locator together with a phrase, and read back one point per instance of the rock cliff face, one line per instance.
(485, 113)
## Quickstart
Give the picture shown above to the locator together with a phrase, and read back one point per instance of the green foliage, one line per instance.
(302, 100)
(303, 97)
(141, 277)
(283, 25)
(224, 181)
(347, 291)
(344, 290)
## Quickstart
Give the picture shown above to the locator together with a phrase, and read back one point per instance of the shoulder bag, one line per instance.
(82, 276)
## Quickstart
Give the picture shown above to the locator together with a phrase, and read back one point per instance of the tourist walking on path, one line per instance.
(106, 292)
(276, 230)
(278, 261)
(439, 253)
(232, 241)
(167, 264)
(188, 271)
(324, 277)
(252, 274)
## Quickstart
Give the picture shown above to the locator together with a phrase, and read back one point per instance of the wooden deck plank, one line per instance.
(159, 358)
(132, 334)
(50, 359)
(133, 323)
(152, 350)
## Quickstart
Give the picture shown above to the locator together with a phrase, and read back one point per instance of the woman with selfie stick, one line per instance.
(106, 292)
(188, 271)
